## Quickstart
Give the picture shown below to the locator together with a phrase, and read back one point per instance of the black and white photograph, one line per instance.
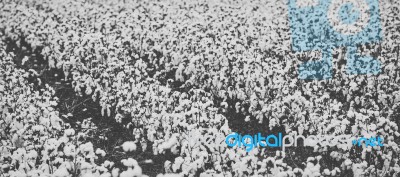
(199, 88)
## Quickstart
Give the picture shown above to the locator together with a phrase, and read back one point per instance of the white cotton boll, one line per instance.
(309, 165)
(88, 91)
(156, 150)
(137, 136)
(129, 162)
(25, 59)
(88, 175)
(333, 172)
(144, 145)
(69, 132)
(87, 147)
(343, 128)
(5, 166)
(32, 154)
(177, 164)
(101, 169)
(364, 164)
(85, 166)
(363, 154)
(137, 171)
(108, 164)
(397, 134)
(169, 175)
(316, 174)
(282, 174)
(148, 161)
(372, 127)
(290, 173)
(115, 172)
(34, 173)
(95, 173)
(129, 146)
(270, 159)
(100, 152)
(69, 150)
(61, 172)
(354, 129)
(297, 170)
(348, 162)
(175, 150)
(17, 174)
(68, 165)
(326, 172)
(167, 166)
(247, 119)
(171, 142)
(107, 174)
(58, 160)
(345, 146)
(392, 124)
(279, 162)
(127, 173)
(334, 154)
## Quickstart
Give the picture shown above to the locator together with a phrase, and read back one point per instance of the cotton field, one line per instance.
(153, 88)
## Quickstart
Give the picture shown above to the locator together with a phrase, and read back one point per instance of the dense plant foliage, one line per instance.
(181, 76)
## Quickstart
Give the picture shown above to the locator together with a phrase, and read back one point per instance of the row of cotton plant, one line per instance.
(36, 142)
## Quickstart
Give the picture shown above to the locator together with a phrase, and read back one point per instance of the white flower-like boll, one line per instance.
(129, 162)
(129, 146)
(61, 172)
(69, 132)
(100, 152)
